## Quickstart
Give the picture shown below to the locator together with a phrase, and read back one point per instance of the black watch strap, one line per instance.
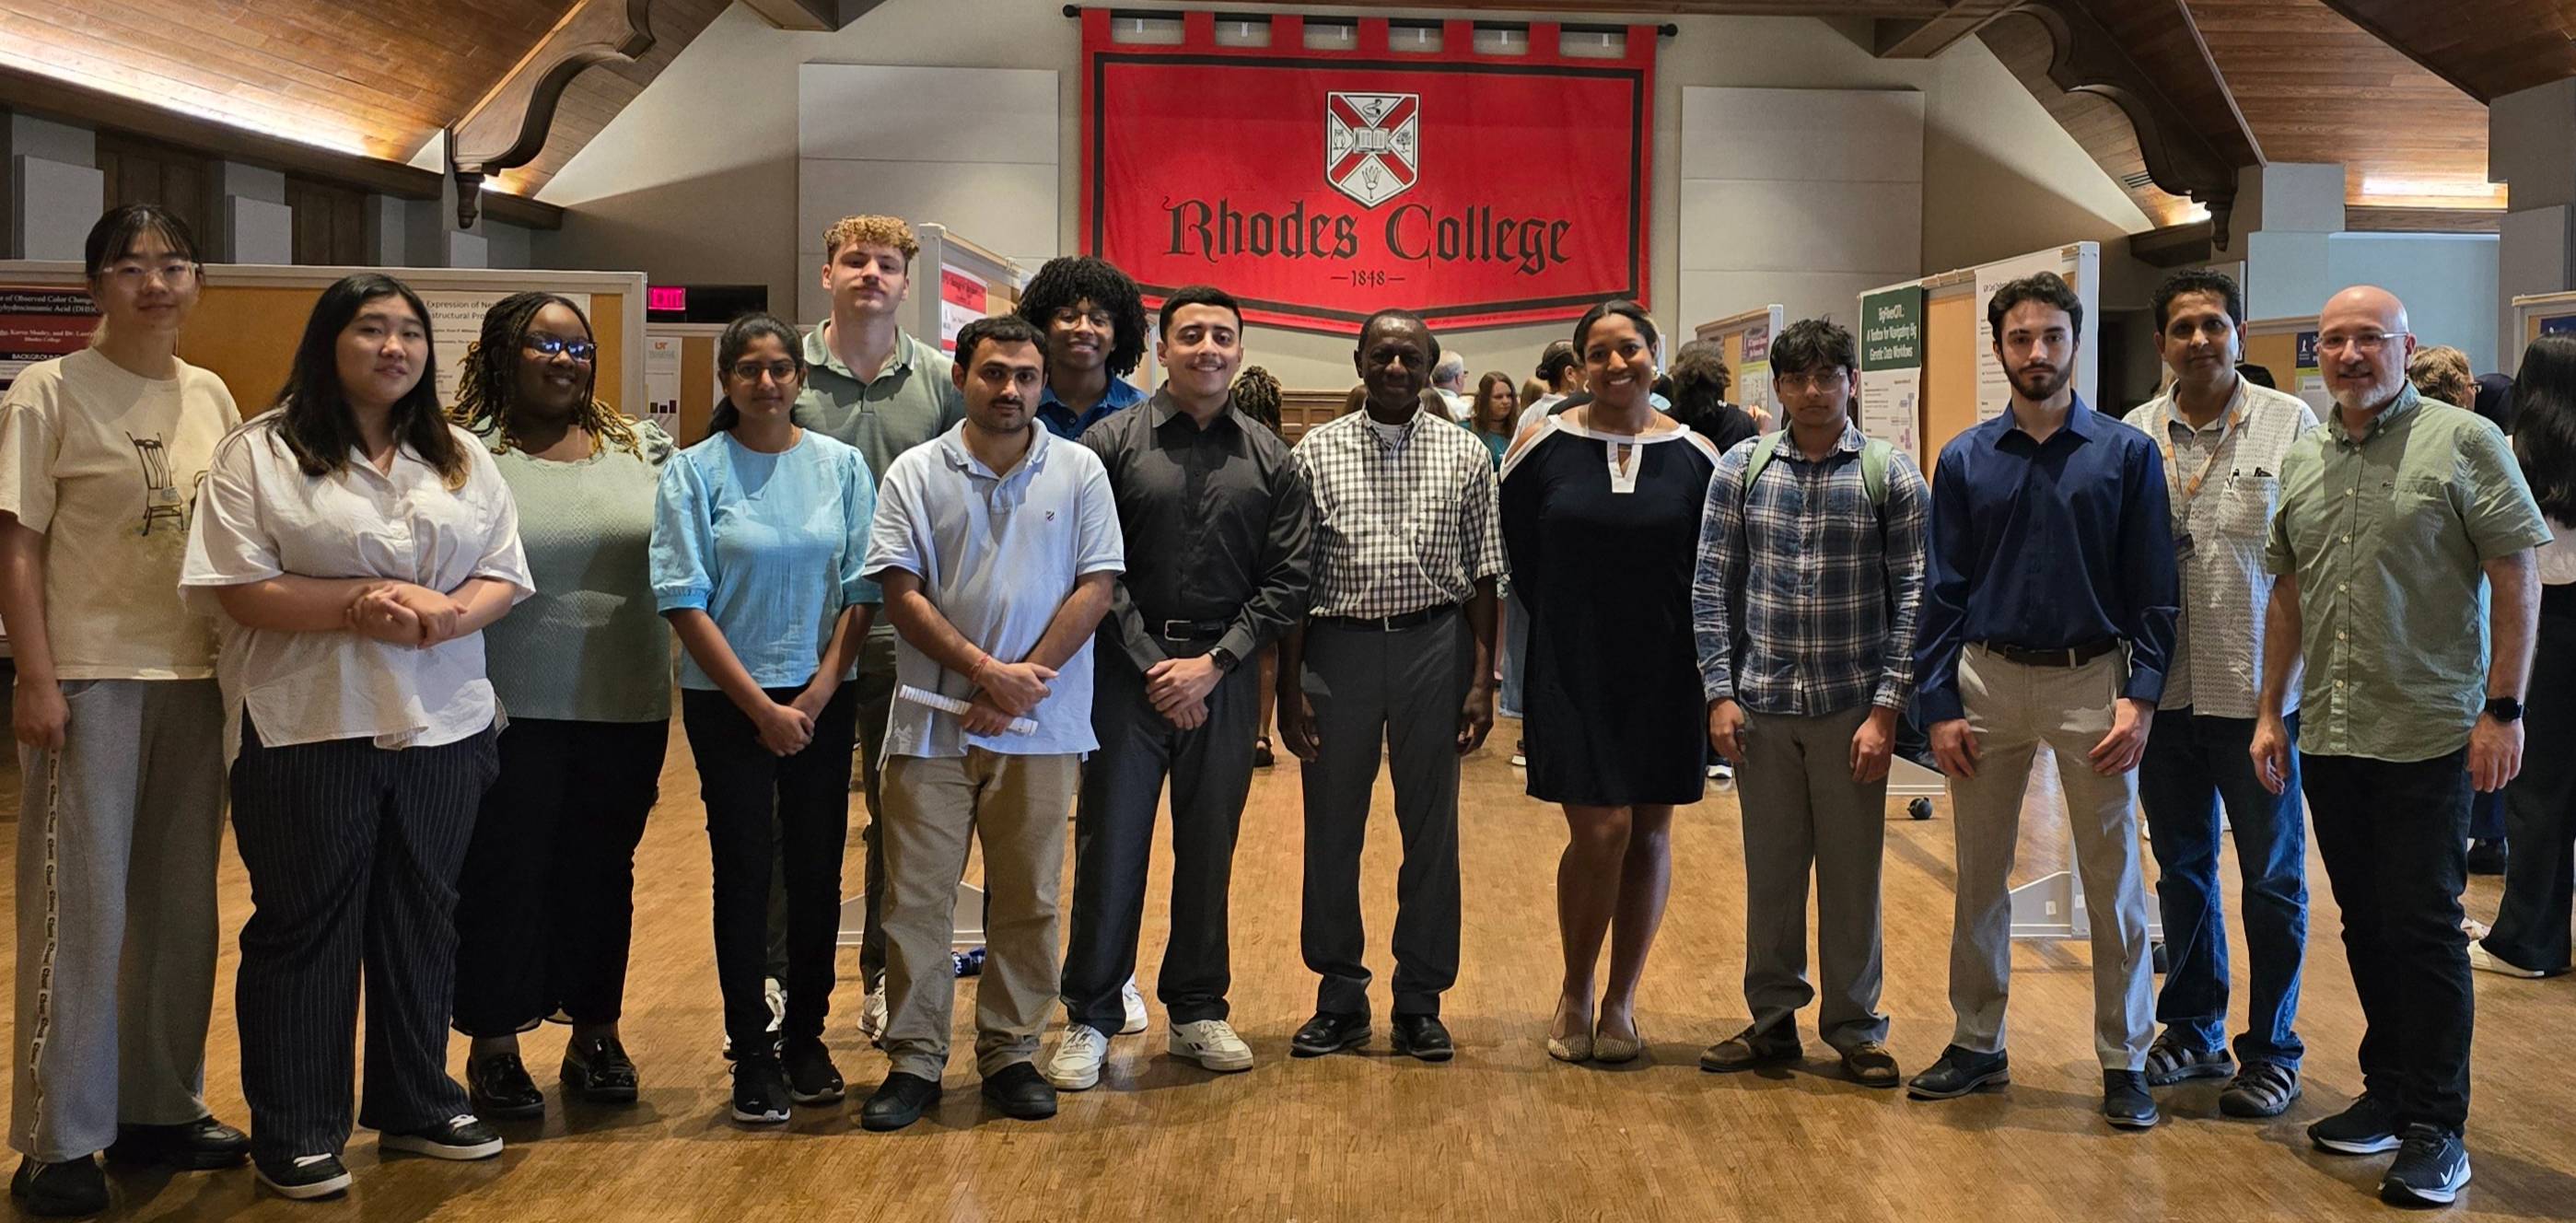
(1223, 658)
(2504, 709)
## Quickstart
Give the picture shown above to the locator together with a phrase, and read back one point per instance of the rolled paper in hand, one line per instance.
(950, 704)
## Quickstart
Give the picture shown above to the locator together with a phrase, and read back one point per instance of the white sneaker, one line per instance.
(774, 992)
(2481, 960)
(1135, 1000)
(872, 1017)
(1075, 1065)
(1719, 770)
(1212, 1044)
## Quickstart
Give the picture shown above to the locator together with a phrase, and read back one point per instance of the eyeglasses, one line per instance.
(131, 274)
(1822, 380)
(2363, 341)
(548, 345)
(778, 371)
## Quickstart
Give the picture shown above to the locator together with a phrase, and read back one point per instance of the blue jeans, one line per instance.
(2192, 763)
(1515, 654)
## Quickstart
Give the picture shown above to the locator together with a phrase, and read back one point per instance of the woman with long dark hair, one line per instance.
(2530, 936)
(758, 532)
(100, 452)
(546, 908)
(353, 545)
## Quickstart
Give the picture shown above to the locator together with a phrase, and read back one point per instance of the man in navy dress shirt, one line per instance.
(2048, 620)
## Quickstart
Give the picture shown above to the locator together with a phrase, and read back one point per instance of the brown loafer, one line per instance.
(1871, 1065)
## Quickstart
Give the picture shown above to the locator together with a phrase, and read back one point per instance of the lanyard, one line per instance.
(2183, 496)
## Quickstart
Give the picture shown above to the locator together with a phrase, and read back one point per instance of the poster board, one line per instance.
(1745, 339)
(680, 372)
(2288, 348)
(39, 322)
(1891, 366)
(1961, 378)
(250, 316)
(2538, 315)
(958, 282)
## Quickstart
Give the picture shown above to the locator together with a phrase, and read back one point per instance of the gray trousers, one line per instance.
(1404, 690)
(117, 839)
(1122, 786)
(1802, 809)
(2015, 710)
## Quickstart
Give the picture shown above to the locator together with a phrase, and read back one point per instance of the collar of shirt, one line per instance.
(1165, 411)
(952, 447)
(2079, 422)
(1850, 442)
(819, 354)
(2397, 408)
(2173, 417)
(1056, 416)
(1376, 429)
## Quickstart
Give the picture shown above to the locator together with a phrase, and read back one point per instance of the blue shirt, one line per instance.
(1061, 421)
(2047, 545)
(768, 545)
(997, 554)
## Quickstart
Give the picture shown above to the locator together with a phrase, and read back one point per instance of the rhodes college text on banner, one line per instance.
(1319, 186)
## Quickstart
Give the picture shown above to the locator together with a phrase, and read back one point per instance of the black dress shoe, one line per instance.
(1329, 1032)
(65, 1190)
(198, 1145)
(1959, 1072)
(2125, 1102)
(1424, 1037)
(597, 1069)
(1019, 1091)
(898, 1102)
(499, 1087)
(811, 1077)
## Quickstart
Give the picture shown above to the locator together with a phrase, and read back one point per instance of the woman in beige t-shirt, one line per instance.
(118, 724)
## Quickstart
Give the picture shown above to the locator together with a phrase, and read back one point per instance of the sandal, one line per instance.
(2265, 1089)
(1261, 757)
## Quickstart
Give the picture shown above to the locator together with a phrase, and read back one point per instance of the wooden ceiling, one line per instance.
(371, 79)
(2504, 48)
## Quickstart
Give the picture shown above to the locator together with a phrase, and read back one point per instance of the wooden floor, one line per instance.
(1500, 1133)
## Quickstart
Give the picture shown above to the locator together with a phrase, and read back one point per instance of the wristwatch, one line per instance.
(2504, 709)
(1225, 660)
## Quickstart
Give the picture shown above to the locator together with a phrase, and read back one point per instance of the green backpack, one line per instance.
(1873, 466)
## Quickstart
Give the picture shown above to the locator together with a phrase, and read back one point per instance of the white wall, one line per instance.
(2448, 282)
(1801, 197)
(697, 179)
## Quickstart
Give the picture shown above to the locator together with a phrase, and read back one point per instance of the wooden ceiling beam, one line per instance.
(508, 127)
(2181, 159)
(2361, 15)
(1900, 39)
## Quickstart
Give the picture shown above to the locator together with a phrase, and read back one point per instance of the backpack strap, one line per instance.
(1762, 452)
(1873, 471)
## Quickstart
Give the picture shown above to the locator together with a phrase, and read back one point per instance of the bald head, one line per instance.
(2363, 345)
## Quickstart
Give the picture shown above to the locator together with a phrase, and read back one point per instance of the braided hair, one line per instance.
(1256, 394)
(491, 377)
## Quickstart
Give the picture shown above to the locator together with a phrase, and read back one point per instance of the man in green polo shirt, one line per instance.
(884, 391)
(2402, 546)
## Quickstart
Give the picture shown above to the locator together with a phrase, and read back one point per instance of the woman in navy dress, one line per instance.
(1601, 509)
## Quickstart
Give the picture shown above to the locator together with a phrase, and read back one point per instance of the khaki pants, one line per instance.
(1016, 805)
(2016, 710)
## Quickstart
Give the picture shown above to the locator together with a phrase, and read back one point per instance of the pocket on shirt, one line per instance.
(2245, 509)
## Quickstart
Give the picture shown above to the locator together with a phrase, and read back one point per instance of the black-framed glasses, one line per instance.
(778, 371)
(548, 345)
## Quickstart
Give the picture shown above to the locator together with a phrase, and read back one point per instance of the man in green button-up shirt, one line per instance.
(2403, 544)
(885, 391)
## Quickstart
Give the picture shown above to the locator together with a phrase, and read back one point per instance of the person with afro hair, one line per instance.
(1094, 322)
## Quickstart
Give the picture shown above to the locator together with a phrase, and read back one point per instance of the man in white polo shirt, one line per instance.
(997, 545)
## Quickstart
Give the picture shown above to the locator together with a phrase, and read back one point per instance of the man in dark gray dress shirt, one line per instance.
(1218, 525)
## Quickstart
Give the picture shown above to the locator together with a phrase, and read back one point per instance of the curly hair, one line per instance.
(488, 385)
(1256, 394)
(2442, 372)
(877, 230)
(1071, 280)
(1699, 376)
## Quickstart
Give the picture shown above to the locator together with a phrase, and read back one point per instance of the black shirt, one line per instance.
(1218, 525)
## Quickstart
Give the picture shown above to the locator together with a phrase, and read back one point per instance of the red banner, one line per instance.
(1321, 186)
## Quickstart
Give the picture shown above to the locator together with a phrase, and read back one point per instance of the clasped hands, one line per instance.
(401, 613)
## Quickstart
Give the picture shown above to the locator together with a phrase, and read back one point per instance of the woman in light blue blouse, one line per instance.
(757, 539)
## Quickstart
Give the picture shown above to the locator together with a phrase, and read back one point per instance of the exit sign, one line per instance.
(667, 297)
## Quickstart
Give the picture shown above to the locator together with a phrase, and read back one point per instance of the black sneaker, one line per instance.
(197, 1146)
(2125, 1102)
(811, 1077)
(2367, 1128)
(1018, 1091)
(63, 1190)
(498, 1086)
(759, 1091)
(303, 1177)
(1959, 1072)
(2488, 858)
(898, 1102)
(2431, 1166)
(462, 1136)
(2171, 1060)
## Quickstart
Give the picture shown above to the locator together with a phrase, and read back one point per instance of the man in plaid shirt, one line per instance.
(1810, 572)
(1398, 648)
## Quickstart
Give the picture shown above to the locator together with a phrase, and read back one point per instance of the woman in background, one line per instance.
(119, 728)
(356, 545)
(1497, 406)
(546, 904)
(2441, 374)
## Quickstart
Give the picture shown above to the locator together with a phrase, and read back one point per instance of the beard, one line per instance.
(2370, 397)
(2039, 387)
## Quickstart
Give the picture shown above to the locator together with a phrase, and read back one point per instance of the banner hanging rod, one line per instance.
(1666, 30)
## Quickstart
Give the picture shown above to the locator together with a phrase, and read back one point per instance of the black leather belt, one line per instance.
(1390, 624)
(1192, 630)
(2075, 656)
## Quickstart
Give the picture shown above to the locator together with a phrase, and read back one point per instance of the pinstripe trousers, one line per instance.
(353, 852)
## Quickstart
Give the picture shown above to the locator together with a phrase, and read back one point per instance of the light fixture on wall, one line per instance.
(2440, 188)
